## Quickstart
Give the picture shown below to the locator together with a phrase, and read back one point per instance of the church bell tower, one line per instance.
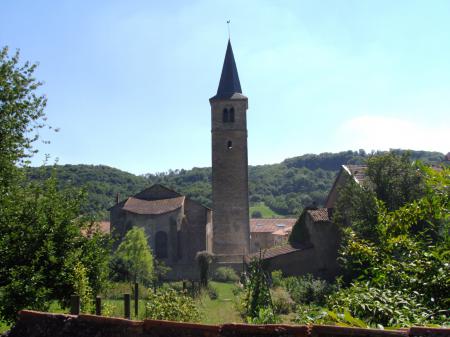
(231, 230)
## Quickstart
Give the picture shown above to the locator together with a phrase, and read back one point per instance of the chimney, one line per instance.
(117, 197)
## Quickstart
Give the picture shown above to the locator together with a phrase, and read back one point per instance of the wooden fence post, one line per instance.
(136, 299)
(74, 304)
(126, 307)
(98, 306)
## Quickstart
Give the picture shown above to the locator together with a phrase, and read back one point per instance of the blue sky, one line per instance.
(128, 82)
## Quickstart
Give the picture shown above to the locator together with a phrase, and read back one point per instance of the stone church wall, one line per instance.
(185, 229)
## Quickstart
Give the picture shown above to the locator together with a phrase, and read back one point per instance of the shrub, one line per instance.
(178, 286)
(256, 215)
(167, 304)
(212, 292)
(307, 289)
(311, 314)
(82, 288)
(282, 302)
(277, 278)
(265, 316)
(225, 274)
(382, 306)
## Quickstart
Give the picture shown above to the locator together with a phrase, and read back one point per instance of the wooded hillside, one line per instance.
(285, 188)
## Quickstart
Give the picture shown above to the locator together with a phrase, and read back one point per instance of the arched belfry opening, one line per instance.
(225, 115)
(228, 115)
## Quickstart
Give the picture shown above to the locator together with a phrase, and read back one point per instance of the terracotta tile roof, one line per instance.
(99, 226)
(270, 225)
(319, 215)
(277, 251)
(104, 226)
(283, 231)
(357, 171)
(161, 206)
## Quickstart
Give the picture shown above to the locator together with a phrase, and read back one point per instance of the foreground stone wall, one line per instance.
(39, 324)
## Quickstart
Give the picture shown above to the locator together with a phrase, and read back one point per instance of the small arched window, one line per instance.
(161, 245)
(231, 115)
(225, 115)
(229, 145)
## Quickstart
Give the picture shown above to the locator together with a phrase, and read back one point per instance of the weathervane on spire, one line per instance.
(228, 24)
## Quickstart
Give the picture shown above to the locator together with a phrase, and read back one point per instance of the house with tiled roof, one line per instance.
(312, 248)
(267, 233)
(176, 226)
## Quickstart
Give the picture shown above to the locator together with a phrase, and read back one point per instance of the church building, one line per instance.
(177, 226)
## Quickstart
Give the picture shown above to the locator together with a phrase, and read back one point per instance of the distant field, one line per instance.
(265, 211)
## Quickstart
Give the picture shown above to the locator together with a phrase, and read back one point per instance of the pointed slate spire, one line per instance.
(229, 80)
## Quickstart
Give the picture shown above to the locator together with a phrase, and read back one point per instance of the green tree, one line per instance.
(136, 255)
(21, 112)
(394, 179)
(41, 230)
(41, 242)
(409, 258)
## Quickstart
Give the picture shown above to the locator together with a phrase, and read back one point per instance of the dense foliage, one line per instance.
(46, 254)
(42, 246)
(307, 289)
(403, 252)
(376, 306)
(225, 274)
(168, 304)
(102, 184)
(135, 257)
(21, 111)
(286, 188)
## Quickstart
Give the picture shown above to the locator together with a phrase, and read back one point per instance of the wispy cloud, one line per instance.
(371, 132)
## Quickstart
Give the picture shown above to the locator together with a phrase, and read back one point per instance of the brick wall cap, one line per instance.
(269, 328)
(109, 320)
(427, 331)
(351, 331)
(151, 323)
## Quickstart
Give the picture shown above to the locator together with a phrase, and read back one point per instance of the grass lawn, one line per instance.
(265, 211)
(222, 309)
(218, 311)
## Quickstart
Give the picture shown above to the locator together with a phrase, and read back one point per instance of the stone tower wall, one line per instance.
(231, 230)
